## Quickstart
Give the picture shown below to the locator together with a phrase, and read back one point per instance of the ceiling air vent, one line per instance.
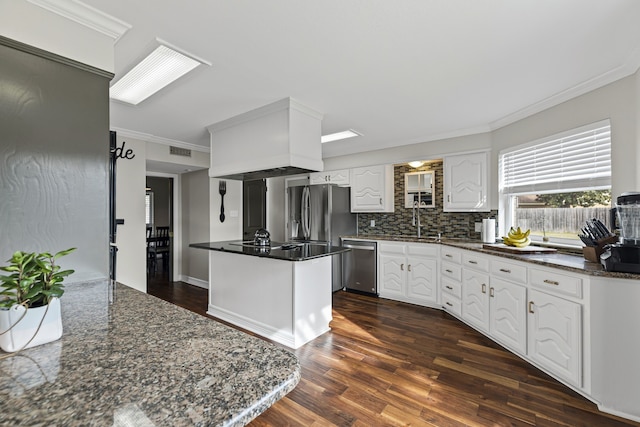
(180, 151)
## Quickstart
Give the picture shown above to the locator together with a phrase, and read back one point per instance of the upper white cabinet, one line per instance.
(372, 189)
(466, 183)
(339, 177)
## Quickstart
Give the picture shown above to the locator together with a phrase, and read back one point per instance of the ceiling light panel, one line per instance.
(339, 135)
(162, 67)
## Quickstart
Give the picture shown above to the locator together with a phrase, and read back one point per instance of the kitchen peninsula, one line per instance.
(281, 292)
(142, 361)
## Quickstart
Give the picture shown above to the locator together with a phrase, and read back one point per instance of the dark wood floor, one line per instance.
(389, 363)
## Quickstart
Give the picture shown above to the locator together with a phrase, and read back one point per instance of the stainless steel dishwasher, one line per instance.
(359, 270)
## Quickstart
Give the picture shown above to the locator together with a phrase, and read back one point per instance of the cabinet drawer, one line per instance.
(557, 282)
(477, 262)
(451, 287)
(510, 271)
(422, 250)
(391, 248)
(452, 304)
(451, 255)
(451, 270)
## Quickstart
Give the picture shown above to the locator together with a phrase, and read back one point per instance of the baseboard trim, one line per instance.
(195, 282)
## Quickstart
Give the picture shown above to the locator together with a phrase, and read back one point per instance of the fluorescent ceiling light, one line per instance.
(163, 66)
(339, 135)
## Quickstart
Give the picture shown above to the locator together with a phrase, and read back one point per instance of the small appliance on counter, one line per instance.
(624, 256)
(262, 237)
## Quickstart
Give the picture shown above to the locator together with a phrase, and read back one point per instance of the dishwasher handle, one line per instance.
(364, 248)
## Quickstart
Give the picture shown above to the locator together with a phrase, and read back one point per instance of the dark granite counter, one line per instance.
(141, 361)
(565, 261)
(284, 251)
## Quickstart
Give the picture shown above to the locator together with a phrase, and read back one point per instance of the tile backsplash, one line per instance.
(434, 220)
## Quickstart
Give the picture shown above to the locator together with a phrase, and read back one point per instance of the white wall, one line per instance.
(231, 228)
(130, 239)
(35, 26)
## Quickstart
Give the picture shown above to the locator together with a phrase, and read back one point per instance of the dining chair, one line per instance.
(162, 247)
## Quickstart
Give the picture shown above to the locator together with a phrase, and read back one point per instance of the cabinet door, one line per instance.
(422, 279)
(393, 270)
(475, 298)
(316, 178)
(466, 183)
(555, 340)
(508, 314)
(372, 189)
(339, 177)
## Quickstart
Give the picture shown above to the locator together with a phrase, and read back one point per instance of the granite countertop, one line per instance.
(290, 251)
(141, 361)
(565, 261)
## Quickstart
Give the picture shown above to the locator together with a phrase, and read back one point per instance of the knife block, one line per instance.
(592, 253)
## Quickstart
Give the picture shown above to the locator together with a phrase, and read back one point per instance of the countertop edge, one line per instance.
(562, 261)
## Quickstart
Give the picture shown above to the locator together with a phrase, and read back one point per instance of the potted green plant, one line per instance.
(30, 299)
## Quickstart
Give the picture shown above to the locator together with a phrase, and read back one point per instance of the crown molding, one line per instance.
(86, 15)
(628, 68)
(159, 140)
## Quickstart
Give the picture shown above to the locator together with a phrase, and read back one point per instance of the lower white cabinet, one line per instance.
(555, 335)
(408, 272)
(475, 299)
(508, 318)
(496, 307)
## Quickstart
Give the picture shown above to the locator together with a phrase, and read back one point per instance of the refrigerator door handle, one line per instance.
(306, 213)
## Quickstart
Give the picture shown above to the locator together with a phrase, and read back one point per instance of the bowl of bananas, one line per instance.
(517, 238)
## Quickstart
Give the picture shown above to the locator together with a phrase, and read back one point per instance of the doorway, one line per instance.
(254, 203)
(159, 221)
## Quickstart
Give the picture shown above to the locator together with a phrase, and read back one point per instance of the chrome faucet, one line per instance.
(416, 206)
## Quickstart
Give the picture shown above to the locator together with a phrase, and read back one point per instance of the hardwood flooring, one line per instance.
(386, 363)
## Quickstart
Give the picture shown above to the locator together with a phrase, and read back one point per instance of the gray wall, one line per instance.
(195, 224)
(54, 151)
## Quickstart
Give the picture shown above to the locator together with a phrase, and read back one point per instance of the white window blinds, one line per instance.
(576, 160)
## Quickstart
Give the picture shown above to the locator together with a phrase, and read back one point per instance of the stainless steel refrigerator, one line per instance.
(321, 213)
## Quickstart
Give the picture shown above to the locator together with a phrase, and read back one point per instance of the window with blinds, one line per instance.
(148, 208)
(553, 185)
(575, 160)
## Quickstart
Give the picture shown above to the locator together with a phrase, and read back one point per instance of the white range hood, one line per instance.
(282, 138)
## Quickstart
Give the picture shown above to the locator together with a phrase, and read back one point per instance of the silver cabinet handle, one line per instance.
(504, 270)
(409, 267)
(380, 200)
(531, 303)
(448, 271)
(449, 304)
(473, 262)
(448, 255)
(402, 267)
(449, 287)
(551, 282)
(484, 288)
(491, 292)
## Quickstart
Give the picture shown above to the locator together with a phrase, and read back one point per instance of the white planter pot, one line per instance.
(25, 329)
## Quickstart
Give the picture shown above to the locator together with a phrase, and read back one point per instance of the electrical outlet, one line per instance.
(478, 227)
(233, 213)
(373, 223)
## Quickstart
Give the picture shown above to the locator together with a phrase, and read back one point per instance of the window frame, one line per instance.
(507, 200)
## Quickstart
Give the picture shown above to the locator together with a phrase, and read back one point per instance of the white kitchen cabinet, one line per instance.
(555, 335)
(508, 316)
(408, 272)
(466, 183)
(494, 305)
(451, 280)
(475, 298)
(337, 177)
(372, 189)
